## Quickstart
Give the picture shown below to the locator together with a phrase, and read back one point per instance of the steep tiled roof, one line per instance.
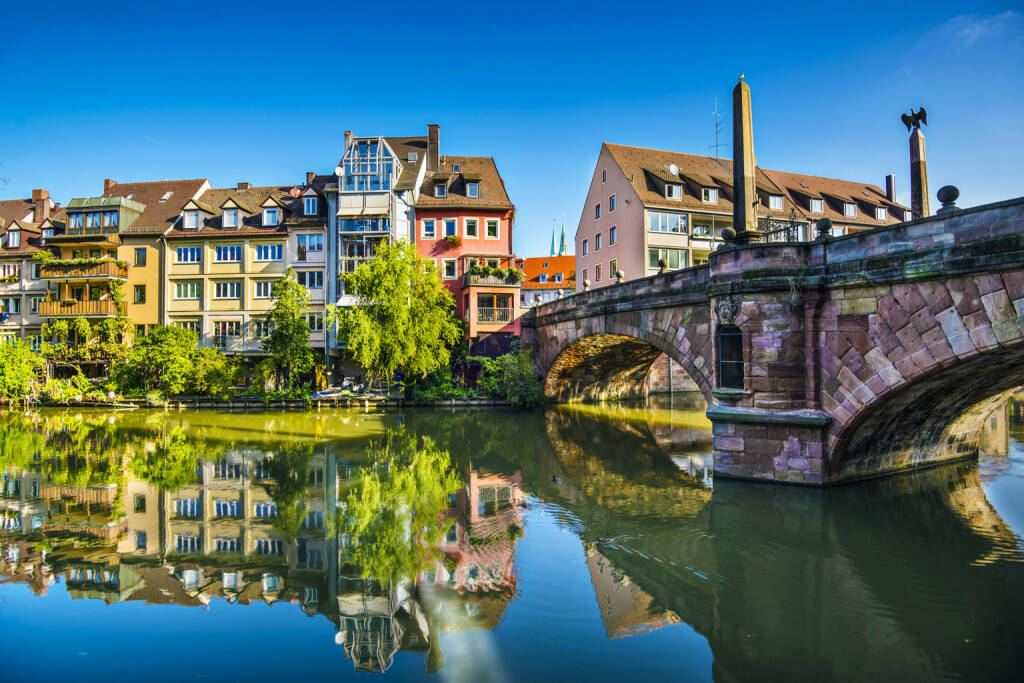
(647, 169)
(15, 209)
(410, 170)
(159, 215)
(250, 201)
(478, 169)
(31, 241)
(534, 266)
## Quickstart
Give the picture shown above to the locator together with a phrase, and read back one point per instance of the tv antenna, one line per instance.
(717, 117)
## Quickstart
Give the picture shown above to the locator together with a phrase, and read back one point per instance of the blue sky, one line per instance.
(263, 94)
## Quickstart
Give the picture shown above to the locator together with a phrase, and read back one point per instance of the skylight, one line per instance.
(167, 195)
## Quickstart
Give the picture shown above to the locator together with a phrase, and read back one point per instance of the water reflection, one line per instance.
(406, 533)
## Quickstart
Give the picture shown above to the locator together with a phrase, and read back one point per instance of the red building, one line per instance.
(464, 222)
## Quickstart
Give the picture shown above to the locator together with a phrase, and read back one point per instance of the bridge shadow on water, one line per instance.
(911, 577)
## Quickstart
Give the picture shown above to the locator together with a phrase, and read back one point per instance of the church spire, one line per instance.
(552, 240)
(563, 245)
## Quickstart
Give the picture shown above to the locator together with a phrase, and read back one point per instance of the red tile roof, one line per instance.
(535, 266)
(482, 170)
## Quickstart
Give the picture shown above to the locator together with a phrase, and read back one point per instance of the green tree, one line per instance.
(170, 465)
(288, 342)
(19, 371)
(404, 321)
(511, 377)
(163, 360)
(393, 506)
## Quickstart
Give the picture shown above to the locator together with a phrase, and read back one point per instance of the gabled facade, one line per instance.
(22, 222)
(646, 206)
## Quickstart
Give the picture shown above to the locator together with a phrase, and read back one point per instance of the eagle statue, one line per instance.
(915, 119)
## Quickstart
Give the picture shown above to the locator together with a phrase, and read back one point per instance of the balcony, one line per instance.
(104, 270)
(469, 279)
(104, 308)
(103, 236)
(498, 316)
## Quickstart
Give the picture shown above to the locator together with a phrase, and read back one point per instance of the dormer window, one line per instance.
(472, 189)
(309, 206)
(440, 190)
(881, 213)
(542, 278)
(709, 195)
(456, 168)
(413, 157)
(191, 220)
(673, 191)
(48, 232)
(775, 202)
(14, 239)
(817, 206)
(908, 215)
(166, 196)
(270, 216)
(558, 277)
(849, 209)
(230, 218)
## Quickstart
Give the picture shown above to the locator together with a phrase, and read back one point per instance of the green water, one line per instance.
(581, 543)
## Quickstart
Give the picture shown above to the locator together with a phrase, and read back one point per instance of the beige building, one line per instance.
(646, 205)
(21, 288)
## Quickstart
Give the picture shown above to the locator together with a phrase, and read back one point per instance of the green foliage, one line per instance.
(288, 342)
(393, 507)
(19, 371)
(167, 361)
(512, 378)
(510, 274)
(289, 471)
(169, 466)
(439, 385)
(75, 388)
(405, 321)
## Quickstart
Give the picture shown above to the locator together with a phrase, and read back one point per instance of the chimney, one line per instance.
(433, 146)
(744, 212)
(890, 187)
(40, 205)
(348, 139)
(310, 177)
(244, 186)
(107, 184)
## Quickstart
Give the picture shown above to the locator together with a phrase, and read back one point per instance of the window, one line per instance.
(597, 242)
(10, 270)
(597, 273)
(140, 540)
(597, 211)
(543, 277)
(270, 216)
(367, 166)
(908, 215)
(140, 503)
(193, 289)
(849, 209)
(266, 510)
(310, 279)
(666, 222)
(449, 268)
(492, 228)
(33, 303)
(308, 244)
(140, 257)
(450, 227)
(14, 239)
(586, 247)
(613, 235)
(187, 543)
(473, 190)
(314, 520)
(775, 202)
(230, 218)
(47, 232)
(315, 322)
(817, 205)
(611, 203)
(470, 228)
(190, 325)
(428, 232)
(558, 277)
(673, 191)
(191, 220)
(269, 546)
(140, 294)
(881, 213)
(585, 274)
(229, 253)
(413, 157)
(730, 357)
(674, 258)
(440, 190)
(228, 545)
(309, 206)
(709, 195)
(224, 331)
(604, 175)
(260, 328)
(269, 252)
(187, 254)
(187, 507)
(227, 508)
(263, 288)
(227, 289)
(613, 268)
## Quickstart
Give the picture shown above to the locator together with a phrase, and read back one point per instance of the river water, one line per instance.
(581, 543)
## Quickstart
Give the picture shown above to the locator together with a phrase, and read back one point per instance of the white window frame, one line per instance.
(190, 220)
(597, 211)
(559, 277)
(908, 215)
(497, 231)
(273, 248)
(542, 278)
(267, 212)
(849, 209)
(673, 191)
(775, 202)
(433, 229)
(444, 226)
(440, 190)
(611, 202)
(881, 213)
(613, 235)
(709, 195)
(233, 290)
(315, 320)
(216, 255)
(475, 222)
(188, 251)
(817, 205)
(455, 268)
(598, 239)
(309, 206)
(193, 290)
(233, 213)
(586, 247)
(597, 273)
(267, 285)
(306, 274)
(473, 189)
(14, 239)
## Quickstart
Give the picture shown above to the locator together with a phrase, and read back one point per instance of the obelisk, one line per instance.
(918, 176)
(744, 211)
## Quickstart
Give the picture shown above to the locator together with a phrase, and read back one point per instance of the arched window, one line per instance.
(730, 357)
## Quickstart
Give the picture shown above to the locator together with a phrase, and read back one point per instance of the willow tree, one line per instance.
(288, 341)
(405, 320)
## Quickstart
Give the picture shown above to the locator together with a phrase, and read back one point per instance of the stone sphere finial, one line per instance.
(586, 285)
(662, 265)
(824, 228)
(728, 235)
(619, 274)
(947, 194)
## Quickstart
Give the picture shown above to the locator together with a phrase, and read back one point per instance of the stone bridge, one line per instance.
(851, 357)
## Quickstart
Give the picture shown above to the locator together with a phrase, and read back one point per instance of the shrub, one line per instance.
(512, 378)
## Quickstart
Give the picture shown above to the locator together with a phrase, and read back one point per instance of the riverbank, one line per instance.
(247, 404)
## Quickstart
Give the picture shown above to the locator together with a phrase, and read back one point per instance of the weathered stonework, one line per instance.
(862, 355)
